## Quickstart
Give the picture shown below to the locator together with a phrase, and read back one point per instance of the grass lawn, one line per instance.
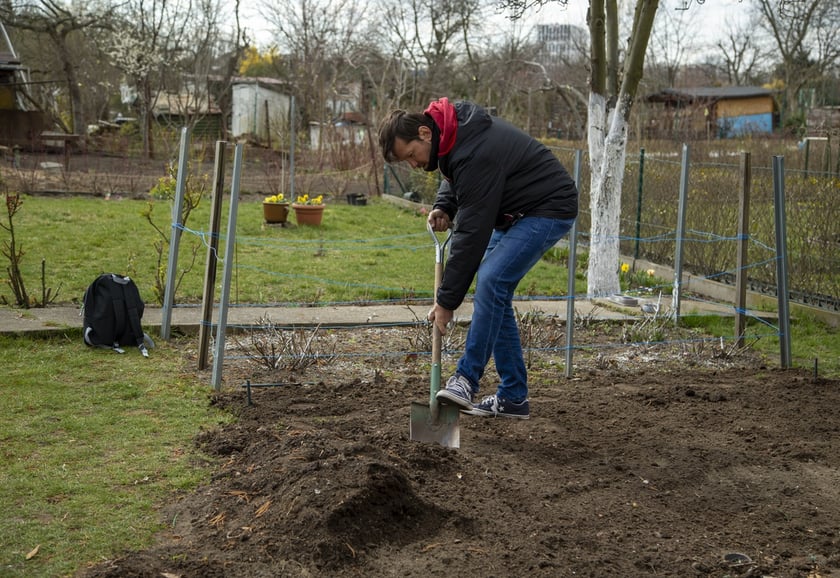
(92, 443)
(360, 253)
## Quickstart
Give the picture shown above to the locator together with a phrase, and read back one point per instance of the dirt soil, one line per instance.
(679, 460)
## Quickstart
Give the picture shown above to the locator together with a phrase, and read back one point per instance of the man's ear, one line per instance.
(425, 133)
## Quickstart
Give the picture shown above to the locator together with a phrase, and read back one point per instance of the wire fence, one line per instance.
(646, 330)
(649, 212)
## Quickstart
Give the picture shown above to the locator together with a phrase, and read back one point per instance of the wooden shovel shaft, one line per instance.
(440, 249)
(436, 348)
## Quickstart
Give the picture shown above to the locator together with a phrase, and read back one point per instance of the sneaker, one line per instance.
(495, 406)
(458, 391)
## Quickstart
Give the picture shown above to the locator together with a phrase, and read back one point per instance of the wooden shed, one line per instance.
(714, 112)
(19, 125)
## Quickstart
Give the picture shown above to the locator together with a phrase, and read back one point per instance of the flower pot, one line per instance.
(309, 214)
(275, 212)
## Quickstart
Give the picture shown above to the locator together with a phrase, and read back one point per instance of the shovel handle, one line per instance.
(440, 249)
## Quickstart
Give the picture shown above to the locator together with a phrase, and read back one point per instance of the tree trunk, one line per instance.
(75, 94)
(608, 139)
(146, 115)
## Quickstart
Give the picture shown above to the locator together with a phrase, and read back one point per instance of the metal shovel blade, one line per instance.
(435, 422)
(441, 428)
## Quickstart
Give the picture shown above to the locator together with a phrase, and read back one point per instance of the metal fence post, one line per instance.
(293, 138)
(224, 299)
(678, 254)
(570, 303)
(175, 236)
(781, 260)
(639, 205)
(743, 236)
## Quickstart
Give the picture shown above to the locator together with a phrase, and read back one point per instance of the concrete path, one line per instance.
(187, 319)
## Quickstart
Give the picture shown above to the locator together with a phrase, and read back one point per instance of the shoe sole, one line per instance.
(447, 397)
(483, 413)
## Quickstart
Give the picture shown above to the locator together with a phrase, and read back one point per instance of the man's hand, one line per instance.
(440, 317)
(439, 220)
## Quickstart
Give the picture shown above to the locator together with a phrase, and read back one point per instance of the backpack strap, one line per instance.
(118, 303)
(136, 327)
(132, 306)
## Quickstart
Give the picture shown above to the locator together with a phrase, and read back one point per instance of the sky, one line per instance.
(707, 18)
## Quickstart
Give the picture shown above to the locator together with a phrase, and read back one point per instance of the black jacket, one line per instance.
(494, 172)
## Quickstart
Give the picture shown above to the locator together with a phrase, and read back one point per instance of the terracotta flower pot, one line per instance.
(308, 214)
(275, 212)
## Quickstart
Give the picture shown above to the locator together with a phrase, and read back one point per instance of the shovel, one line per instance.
(436, 422)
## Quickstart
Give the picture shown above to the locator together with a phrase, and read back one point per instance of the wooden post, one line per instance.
(204, 329)
(267, 124)
(743, 244)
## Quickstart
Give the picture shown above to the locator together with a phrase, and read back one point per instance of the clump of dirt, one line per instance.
(650, 461)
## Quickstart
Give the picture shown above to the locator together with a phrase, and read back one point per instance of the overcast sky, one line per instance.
(708, 20)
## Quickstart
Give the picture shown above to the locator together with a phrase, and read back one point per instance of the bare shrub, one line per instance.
(276, 348)
(421, 338)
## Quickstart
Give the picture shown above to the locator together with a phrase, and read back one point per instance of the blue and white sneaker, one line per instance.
(497, 406)
(458, 392)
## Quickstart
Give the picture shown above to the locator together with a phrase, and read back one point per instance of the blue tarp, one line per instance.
(747, 124)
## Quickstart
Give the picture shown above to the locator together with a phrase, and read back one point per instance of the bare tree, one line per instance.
(150, 37)
(315, 36)
(228, 65)
(610, 102)
(614, 80)
(806, 34)
(432, 36)
(673, 38)
(204, 72)
(739, 53)
(62, 25)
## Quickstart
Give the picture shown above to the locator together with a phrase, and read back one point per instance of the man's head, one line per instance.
(406, 136)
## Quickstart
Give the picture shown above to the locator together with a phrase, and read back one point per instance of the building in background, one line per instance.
(260, 108)
(712, 112)
(20, 123)
(560, 43)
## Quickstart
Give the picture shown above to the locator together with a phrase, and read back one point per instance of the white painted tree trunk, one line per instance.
(607, 152)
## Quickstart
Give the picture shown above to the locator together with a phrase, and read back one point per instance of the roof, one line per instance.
(703, 93)
(184, 104)
(8, 58)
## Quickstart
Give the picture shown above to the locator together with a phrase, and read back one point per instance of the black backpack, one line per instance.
(112, 310)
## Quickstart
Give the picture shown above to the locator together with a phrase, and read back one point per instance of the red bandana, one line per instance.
(443, 113)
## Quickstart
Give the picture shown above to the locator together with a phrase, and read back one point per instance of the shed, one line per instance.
(348, 128)
(260, 107)
(190, 108)
(715, 111)
(19, 125)
(11, 74)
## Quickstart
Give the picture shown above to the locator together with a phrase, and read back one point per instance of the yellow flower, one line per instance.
(651, 272)
(278, 198)
(307, 200)
(625, 267)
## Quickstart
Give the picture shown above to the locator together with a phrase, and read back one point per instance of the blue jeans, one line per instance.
(493, 330)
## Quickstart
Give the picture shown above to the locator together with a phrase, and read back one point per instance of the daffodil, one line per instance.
(307, 200)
